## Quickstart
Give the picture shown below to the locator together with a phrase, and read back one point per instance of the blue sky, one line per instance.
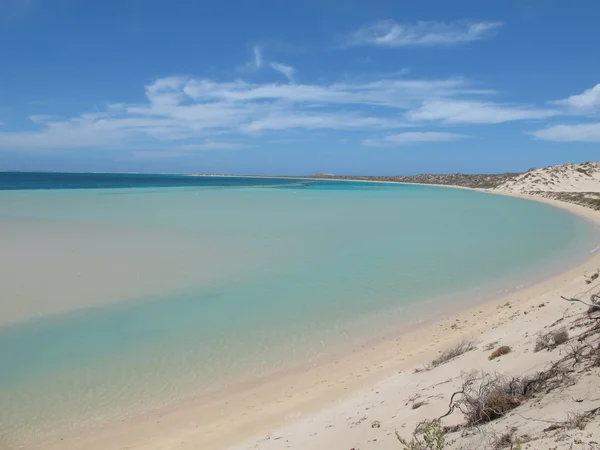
(283, 87)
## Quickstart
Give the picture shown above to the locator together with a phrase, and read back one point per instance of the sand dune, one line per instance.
(564, 178)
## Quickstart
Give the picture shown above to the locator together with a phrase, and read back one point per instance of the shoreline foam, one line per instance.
(222, 420)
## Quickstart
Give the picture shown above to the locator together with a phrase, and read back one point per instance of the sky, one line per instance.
(298, 87)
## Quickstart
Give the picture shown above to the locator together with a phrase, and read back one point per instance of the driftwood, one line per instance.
(578, 300)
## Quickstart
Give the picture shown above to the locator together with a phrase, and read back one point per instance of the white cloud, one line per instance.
(396, 93)
(284, 69)
(589, 99)
(334, 121)
(476, 112)
(184, 113)
(412, 137)
(388, 33)
(588, 132)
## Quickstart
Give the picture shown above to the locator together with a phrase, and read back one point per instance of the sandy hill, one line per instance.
(564, 178)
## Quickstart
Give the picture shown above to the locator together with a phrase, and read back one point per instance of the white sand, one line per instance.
(55, 267)
(564, 178)
(334, 404)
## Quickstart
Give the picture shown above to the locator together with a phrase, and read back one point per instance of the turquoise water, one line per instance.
(244, 280)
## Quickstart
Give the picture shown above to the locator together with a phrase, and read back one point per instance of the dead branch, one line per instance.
(577, 300)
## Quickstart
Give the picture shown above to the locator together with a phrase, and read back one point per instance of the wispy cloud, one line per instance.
(187, 114)
(586, 103)
(588, 132)
(388, 33)
(412, 137)
(476, 112)
(188, 111)
(588, 100)
(391, 92)
(258, 57)
(284, 69)
(254, 63)
(319, 121)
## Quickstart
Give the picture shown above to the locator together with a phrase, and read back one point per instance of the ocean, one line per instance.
(121, 293)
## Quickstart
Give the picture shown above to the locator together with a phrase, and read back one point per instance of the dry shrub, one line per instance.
(593, 309)
(544, 381)
(577, 420)
(487, 397)
(505, 349)
(560, 336)
(542, 343)
(504, 440)
(595, 354)
(491, 346)
(509, 440)
(453, 352)
(551, 340)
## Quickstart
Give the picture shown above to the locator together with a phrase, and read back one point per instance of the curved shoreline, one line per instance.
(226, 418)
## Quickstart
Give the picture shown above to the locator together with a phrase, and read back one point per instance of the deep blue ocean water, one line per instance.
(58, 180)
(124, 292)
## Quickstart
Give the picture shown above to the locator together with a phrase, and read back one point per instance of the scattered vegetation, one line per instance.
(485, 397)
(578, 420)
(453, 352)
(491, 346)
(484, 181)
(427, 436)
(509, 440)
(592, 277)
(504, 350)
(587, 199)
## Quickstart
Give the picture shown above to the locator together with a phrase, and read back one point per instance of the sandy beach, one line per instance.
(359, 400)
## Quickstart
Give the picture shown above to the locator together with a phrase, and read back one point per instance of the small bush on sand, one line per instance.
(432, 438)
(593, 309)
(596, 357)
(484, 397)
(487, 397)
(505, 349)
(453, 352)
(509, 440)
(560, 337)
(551, 340)
(577, 420)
